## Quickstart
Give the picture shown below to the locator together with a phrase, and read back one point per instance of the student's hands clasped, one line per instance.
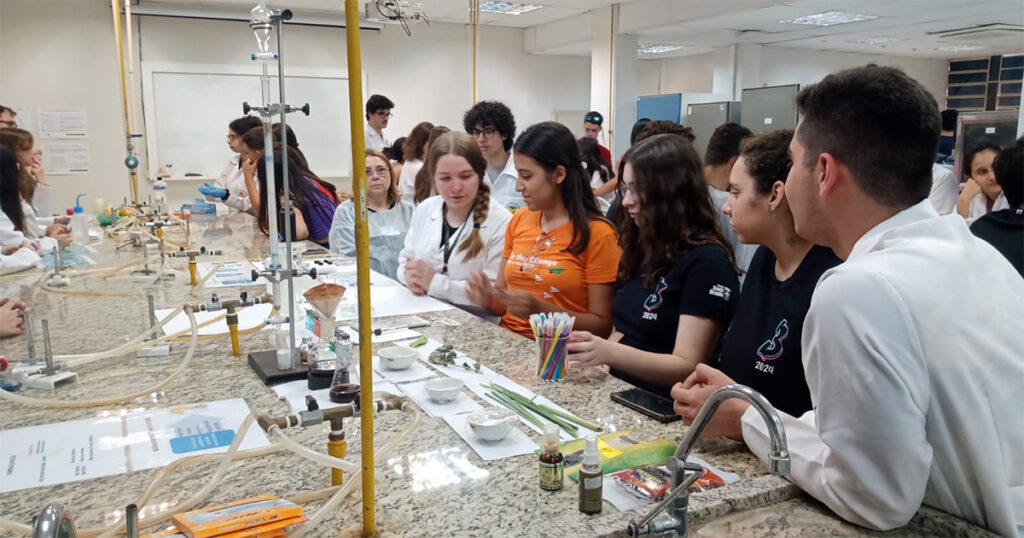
(418, 276)
(691, 394)
(12, 322)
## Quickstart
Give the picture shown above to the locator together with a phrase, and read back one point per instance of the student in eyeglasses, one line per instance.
(378, 113)
(492, 125)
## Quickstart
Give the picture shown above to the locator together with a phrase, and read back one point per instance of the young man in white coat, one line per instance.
(912, 347)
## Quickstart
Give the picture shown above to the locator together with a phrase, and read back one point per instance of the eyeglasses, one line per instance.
(628, 188)
(232, 136)
(374, 172)
(486, 131)
(383, 114)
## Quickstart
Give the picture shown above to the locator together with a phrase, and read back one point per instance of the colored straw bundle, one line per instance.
(552, 333)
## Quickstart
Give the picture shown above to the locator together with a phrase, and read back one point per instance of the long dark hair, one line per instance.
(424, 182)
(552, 144)
(301, 187)
(590, 154)
(675, 208)
(254, 139)
(10, 194)
(415, 145)
(20, 140)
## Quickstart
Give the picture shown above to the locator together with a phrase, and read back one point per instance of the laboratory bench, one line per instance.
(433, 484)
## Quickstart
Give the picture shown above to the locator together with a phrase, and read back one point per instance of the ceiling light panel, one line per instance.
(649, 48)
(507, 8)
(829, 18)
(960, 48)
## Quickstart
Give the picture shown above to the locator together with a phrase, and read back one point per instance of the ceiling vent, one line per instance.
(1001, 35)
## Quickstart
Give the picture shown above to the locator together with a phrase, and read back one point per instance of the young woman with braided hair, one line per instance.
(459, 232)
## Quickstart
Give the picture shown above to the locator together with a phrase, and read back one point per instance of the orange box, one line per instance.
(253, 514)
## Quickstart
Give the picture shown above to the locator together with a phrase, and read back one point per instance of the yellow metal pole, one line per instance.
(474, 16)
(355, 105)
(115, 7)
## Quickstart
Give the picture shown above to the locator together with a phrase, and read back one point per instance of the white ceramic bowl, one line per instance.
(397, 357)
(492, 424)
(443, 391)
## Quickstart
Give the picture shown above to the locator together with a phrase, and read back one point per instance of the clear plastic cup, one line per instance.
(552, 365)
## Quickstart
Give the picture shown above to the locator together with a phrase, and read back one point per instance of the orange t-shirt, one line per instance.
(541, 264)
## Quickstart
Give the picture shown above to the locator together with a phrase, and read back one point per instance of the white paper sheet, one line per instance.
(155, 436)
(457, 372)
(516, 444)
(389, 300)
(237, 273)
(415, 372)
(63, 122)
(464, 403)
(63, 452)
(385, 336)
(65, 157)
(84, 449)
(248, 318)
(294, 394)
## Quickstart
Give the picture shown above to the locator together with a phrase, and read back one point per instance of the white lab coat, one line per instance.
(945, 189)
(912, 351)
(11, 237)
(979, 206)
(23, 258)
(407, 179)
(503, 187)
(232, 179)
(387, 234)
(423, 242)
(375, 140)
(742, 251)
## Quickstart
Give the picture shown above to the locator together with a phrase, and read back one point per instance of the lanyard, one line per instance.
(447, 241)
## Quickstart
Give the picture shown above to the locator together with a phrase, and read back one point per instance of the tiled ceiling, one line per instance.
(902, 27)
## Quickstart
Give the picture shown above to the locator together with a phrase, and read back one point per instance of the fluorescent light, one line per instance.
(880, 40)
(829, 18)
(507, 8)
(960, 48)
(650, 48)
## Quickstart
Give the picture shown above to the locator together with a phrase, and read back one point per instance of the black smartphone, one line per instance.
(650, 404)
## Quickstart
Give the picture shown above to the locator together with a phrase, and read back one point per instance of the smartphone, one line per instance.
(650, 404)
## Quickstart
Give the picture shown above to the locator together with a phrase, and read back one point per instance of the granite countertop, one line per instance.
(432, 484)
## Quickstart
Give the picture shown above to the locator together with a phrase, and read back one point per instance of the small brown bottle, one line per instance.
(552, 468)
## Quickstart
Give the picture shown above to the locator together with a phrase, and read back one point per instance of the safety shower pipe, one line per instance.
(474, 17)
(132, 178)
(355, 107)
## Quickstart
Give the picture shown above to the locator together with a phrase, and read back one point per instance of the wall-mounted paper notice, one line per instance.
(24, 117)
(65, 157)
(63, 123)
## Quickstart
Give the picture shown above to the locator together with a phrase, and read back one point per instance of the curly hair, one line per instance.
(767, 158)
(658, 127)
(724, 143)
(491, 113)
(463, 145)
(676, 211)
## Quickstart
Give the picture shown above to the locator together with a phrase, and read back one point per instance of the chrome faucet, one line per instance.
(54, 522)
(685, 474)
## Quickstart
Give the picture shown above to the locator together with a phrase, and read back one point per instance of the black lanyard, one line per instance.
(447, 241)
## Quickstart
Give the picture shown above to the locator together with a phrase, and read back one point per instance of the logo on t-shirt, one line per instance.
(654, 300)
(719, 290)
(772, 348)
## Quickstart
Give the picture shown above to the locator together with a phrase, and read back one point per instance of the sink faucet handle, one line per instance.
(684, 475)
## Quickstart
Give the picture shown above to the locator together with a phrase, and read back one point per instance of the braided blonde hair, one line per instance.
(463, 145)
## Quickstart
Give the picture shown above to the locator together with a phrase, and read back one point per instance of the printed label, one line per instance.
(592, 483)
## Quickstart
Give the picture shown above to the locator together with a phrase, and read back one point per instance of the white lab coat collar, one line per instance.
(919, 211)
(503, 188)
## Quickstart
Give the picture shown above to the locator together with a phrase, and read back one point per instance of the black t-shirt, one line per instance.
(762, 348)
(1004, 230)
(946, 144)
(701, 282)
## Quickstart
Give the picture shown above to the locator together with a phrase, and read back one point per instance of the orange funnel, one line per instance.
(325, 298)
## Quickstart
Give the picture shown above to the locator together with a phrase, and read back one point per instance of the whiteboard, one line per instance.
(188, 108)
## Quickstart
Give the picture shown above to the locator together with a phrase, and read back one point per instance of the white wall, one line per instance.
(778, 65)
(64, 54)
